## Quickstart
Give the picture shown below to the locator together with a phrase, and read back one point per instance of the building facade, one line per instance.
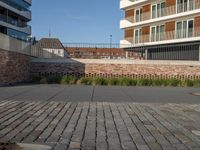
(48, 48)
(162, 29)
(95, 53)
(14, 18)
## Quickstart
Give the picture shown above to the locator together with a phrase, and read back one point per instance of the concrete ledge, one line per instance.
(120, 61)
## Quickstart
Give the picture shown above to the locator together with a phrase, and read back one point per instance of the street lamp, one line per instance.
(110, 45)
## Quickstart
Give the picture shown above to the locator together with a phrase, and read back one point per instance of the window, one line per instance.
(138, 16)
(158, 10)
(138, 33)
(185, 5)
(157, 33)
(184, 29)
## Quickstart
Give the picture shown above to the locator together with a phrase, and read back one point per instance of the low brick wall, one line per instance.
(116, 68)
(14, 67)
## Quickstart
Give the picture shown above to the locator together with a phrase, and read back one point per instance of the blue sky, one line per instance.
(75, 21)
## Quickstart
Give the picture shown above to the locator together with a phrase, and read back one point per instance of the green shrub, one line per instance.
(175, 82)
(36, 79)
(196, 83)
(145, 82)
(100, 81)
(43, 80)
(128, 82)
(86, 81)
(68, 80)
(113, 81)
(157, 82)
(188, 83)
(54, 80)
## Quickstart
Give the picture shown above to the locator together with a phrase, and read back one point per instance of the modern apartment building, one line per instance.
(162, 29)
(14, 18)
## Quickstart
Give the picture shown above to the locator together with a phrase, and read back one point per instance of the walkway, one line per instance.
(102, 125)
(99, 94)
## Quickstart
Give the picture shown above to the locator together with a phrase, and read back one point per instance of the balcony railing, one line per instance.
(14, 22)
(167, 11)
(15, 5)
(165, 36)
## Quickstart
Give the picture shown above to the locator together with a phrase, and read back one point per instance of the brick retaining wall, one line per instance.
(117, 68)
(14, 67)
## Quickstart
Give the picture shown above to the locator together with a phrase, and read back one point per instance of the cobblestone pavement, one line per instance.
(101, 125)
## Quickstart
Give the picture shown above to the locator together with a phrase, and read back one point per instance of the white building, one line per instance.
(162, 29)
(49, 48)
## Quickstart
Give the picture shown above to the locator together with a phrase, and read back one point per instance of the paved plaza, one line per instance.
(80, 93)
(101, 125)
(100, 118)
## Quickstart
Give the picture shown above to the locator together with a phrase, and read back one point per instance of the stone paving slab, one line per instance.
(101, 125)
(78, 93)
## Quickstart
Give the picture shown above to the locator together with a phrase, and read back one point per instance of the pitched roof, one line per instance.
(50, 43)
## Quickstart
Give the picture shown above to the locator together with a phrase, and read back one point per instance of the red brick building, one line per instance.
(99, 53)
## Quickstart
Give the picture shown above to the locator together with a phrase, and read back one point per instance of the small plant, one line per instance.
(113, 81)
(144, 82)
(188, 83)
(68, 80)
(196, 83)
(86, 81)
(175, 82)
(43, 80)
(127, 82)
(36, 79)
(100, 81)
(157, 82)
(54, 80)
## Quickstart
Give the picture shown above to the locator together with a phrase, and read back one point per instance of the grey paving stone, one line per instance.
(100, 125)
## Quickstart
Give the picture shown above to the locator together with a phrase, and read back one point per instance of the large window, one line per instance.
(157, 33)
(138, 15)
(158, 10)
(138, 35)
(185, 29)
(185, 5)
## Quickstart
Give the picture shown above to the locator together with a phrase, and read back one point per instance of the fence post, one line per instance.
(199, 52)
(126, 54)
(146, 54)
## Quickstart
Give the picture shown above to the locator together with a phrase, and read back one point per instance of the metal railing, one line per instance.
(171, 10)
(14, 22)
(92, 45)
(164, 36)
(15, 5)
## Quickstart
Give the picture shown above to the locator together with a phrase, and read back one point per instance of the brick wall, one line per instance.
(15, 68)
(118, 68)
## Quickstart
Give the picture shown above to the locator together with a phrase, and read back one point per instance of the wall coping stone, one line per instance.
(120, 61)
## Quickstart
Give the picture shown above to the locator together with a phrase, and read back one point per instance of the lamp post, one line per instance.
(110, 45)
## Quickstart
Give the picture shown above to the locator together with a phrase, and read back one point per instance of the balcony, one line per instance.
(127, 3)
(28, 1)
(164, 38)
(127, 22)
(13, 24)
(166, 13)
(16, 8)
(127, 42)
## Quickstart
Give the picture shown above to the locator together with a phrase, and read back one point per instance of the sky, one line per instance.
(77, 21)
